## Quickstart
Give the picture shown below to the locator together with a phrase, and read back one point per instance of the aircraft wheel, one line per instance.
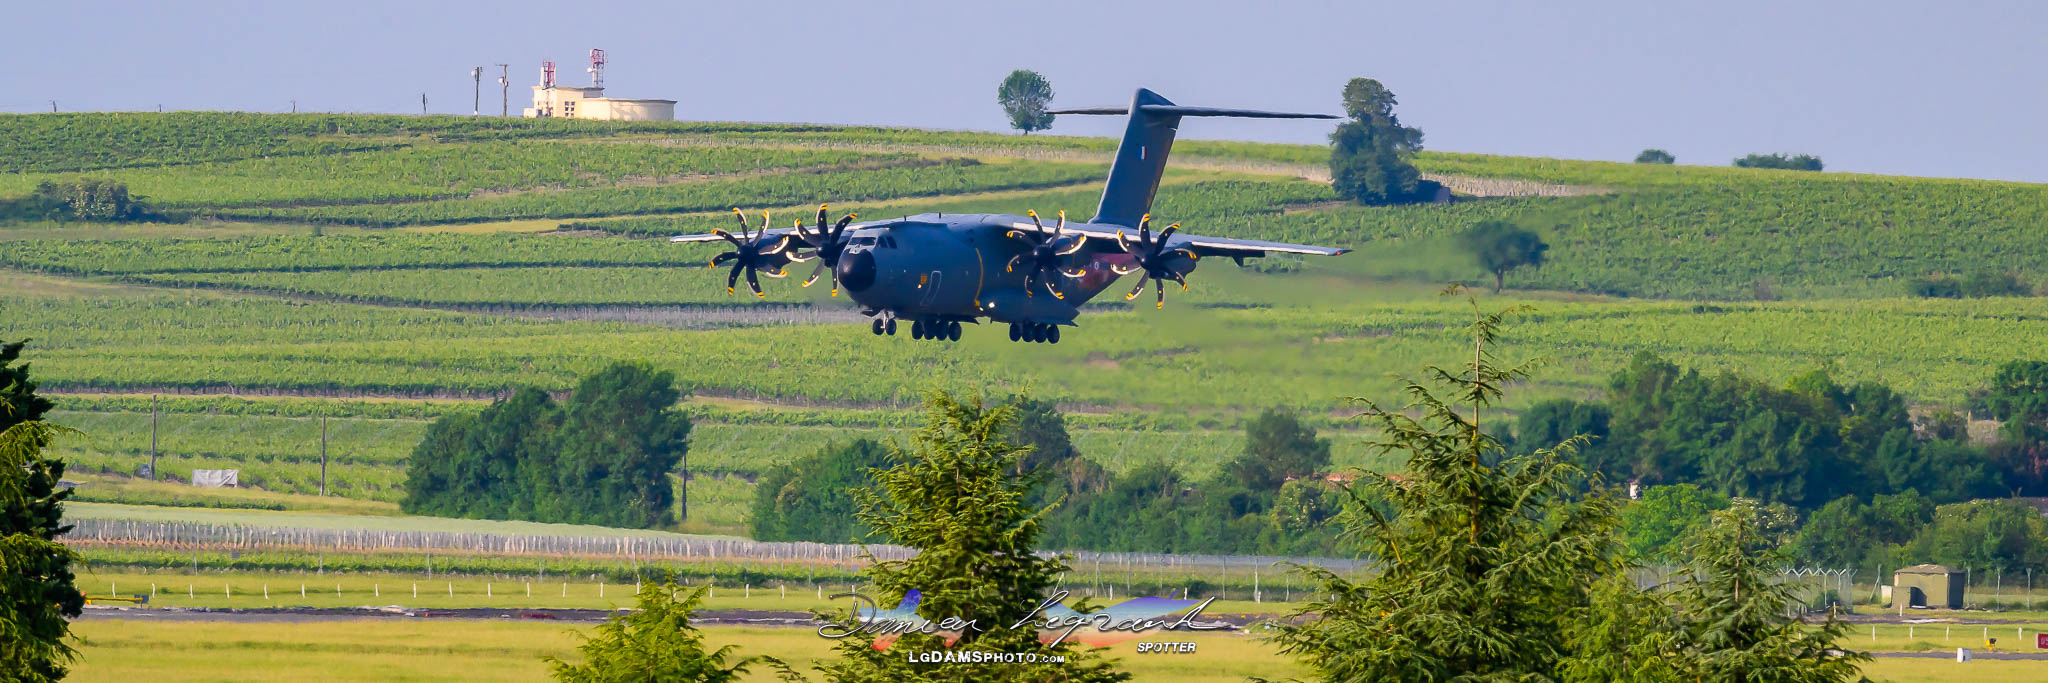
(1016, 332)
(1052, 334)
(916, 329)
(953, 330)
(878, 327)
(890, 327)
(1037, 334)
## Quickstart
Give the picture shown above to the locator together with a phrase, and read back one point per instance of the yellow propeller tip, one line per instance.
(729, 290)
(1161, 305)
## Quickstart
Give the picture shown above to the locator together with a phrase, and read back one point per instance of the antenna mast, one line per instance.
(596, 68)
(476, 91)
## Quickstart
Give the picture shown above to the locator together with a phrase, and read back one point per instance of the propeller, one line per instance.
(826, 245)
(1048, 254)
(753, 251)
(1150, 255)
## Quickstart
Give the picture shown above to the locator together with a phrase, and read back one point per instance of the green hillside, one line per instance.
(378, 267)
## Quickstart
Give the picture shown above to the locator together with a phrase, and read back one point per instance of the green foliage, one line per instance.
(1025, 96)
(79, 199)
(1483, 556)
(1977, 285)
(1500, 247)
(1737, 626)
(603, 457)
(1850, 533)
(1277, 448)
(812, 499)
(1653, 525)
(36, 591)
(1983, 534)
(1803, 162)
(1558, 419)
(1370, 154)
(2019, 396)
(657, 643)
(1804, 444)
(1655, 156)
(954, 496)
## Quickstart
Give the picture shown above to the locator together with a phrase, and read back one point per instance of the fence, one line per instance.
(195, 536)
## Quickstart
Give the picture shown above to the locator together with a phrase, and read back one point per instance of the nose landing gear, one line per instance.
(884, 325)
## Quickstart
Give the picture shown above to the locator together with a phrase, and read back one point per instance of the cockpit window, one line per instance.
(868, 240)
(888, 242)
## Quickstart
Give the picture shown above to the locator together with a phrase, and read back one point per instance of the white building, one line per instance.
(572, 102)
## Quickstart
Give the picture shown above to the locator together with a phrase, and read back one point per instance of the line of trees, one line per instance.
(1810, 458)
(1272, 499)
(1801, 162)
(604, 456)
(82, 199)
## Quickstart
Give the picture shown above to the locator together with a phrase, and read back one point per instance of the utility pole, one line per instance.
(504, 91)
(323, 455)
(686, 485)
(295, 106)
(53, 106)
(423, 104)
(152, 437)
(476, 90)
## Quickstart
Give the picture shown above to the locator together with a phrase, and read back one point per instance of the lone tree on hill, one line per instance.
(1025, 96)
(1369, 154)
(1500, 247)
(1803, 162)
(1655, 156)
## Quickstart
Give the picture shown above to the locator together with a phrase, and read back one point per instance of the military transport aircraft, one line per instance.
(940, 270)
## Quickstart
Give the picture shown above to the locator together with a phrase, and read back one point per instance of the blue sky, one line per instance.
(1935, 89)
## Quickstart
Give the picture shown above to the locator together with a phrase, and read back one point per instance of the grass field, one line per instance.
(463, 650)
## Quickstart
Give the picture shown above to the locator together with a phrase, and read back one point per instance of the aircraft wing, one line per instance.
(1206, 246)
(709, 237)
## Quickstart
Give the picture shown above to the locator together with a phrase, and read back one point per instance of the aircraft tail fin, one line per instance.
(1141, 157)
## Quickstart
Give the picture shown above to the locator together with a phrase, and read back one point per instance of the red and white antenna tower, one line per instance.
(547, 74)
(596, 68)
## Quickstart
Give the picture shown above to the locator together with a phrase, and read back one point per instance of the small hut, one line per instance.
(1929, 585)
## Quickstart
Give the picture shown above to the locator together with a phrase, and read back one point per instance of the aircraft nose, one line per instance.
(857, 271)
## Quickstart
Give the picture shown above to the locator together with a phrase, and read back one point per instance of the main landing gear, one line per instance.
(948, 330)
(1035, 333)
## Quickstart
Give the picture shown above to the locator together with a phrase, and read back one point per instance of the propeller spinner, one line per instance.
(826, 246)
(1048, 255)
(753, 251)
